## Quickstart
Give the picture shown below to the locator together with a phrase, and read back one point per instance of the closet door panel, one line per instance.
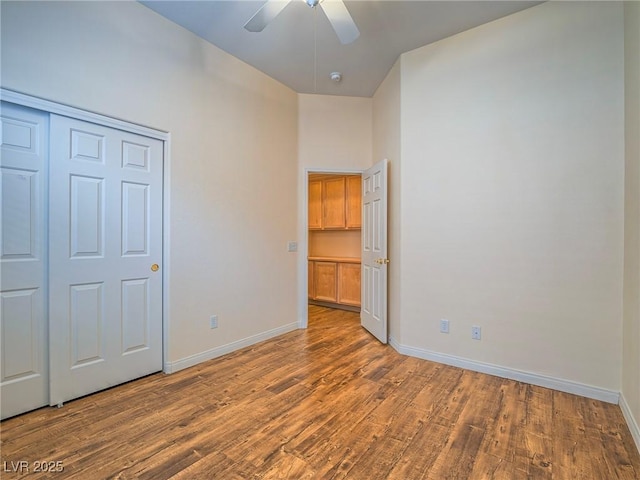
(23, 287)
(105, 257)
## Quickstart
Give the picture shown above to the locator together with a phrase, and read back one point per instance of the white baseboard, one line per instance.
(394, 343)
(172, 367)
(562, 385)
(631, 421)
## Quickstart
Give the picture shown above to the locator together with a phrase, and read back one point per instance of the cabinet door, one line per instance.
(325, 281)
(310, 281)
(354, 201)
(349, 284)
(334, 203)
(315, 204)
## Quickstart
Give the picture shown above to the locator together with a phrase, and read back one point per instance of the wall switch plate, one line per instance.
(444, 325)
(292, 246)
(213, 321)
(475, 332)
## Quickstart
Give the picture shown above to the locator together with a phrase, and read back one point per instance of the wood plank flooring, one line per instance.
(329, 402)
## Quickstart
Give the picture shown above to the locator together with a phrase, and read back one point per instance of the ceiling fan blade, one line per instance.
(267, 12)
(340, 20)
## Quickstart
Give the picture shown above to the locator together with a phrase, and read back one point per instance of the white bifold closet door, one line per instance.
(105, 253)
(80, 258)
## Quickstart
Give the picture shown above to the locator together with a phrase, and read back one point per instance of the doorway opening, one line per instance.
(334, 240)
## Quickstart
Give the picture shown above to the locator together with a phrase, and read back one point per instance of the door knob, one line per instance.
(382, 261)
(154, 267)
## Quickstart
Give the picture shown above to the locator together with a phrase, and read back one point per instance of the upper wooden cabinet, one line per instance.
(354, 201)
(315, 204)
(335, 202)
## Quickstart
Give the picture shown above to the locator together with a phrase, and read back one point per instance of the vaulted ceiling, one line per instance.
(300, 48)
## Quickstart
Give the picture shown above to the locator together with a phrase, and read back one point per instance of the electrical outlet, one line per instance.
(213, 321)
(475, 332)
(292, 246)
(444, 325)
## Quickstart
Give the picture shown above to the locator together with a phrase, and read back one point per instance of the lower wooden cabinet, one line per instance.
(335, 281)
(349, 284)
(324, 281)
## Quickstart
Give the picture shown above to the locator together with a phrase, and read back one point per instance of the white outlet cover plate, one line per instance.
(444, 326)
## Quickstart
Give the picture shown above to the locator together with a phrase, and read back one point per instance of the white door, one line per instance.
(373, 313)
(24, 383)
(105, 235)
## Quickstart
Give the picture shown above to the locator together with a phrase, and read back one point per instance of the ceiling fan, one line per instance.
(335, 10)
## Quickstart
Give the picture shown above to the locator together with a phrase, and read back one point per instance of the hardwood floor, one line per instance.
(328, 402)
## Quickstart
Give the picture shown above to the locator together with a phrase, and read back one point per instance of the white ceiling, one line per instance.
(285, 49)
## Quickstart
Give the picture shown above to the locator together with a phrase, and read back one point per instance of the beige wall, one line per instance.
(334, 135)
(386, 144)
(631, 328)
(513, 190)
(233, 152)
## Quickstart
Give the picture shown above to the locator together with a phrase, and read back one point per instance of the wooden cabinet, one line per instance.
(353, 201)
(324, 281)
(335, 280)
(335, 202)
(349, 284)
(315, 204)
(335, 207)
